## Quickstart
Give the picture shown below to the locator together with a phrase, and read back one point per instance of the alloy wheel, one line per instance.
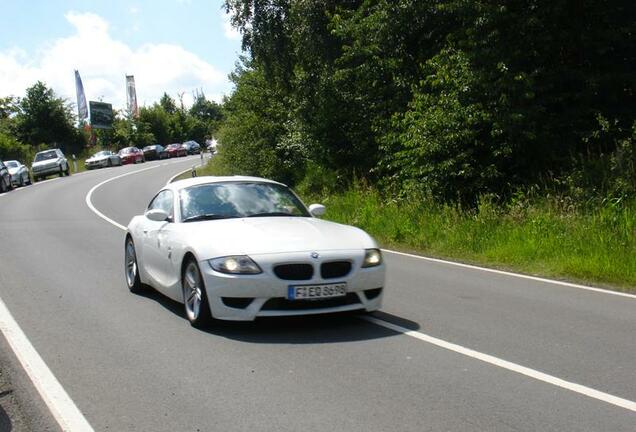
(192, 291)
(131, 264)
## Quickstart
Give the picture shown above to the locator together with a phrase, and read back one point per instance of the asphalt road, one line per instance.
(133, 363)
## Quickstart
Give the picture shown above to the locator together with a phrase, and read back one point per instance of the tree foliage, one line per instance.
(44, 118)
(450, 97)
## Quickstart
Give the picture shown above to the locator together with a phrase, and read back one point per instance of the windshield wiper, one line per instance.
(208, 216)
(270, 214)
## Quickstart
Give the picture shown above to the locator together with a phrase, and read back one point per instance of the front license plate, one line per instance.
(316, 292)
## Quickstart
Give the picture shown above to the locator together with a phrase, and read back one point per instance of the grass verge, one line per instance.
(543, 236)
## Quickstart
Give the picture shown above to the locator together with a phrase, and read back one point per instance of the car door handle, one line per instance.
(145, 231)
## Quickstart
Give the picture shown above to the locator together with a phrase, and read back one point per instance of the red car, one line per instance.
(131, 155)
(176, 150)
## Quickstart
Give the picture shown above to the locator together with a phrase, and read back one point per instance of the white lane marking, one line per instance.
(518, 275)
(202, 164)
(89, 195)
(171, 179)
(64, 410)
(577, 388)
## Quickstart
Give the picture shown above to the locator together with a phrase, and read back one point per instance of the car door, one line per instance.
(155, 250)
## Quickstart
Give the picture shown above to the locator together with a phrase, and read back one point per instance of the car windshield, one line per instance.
(102, 153)
(11, 164)
(45, 156)
(237, 200)
(127, 150)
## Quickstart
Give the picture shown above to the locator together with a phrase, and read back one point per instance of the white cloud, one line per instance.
(103, 62)
(229, 31)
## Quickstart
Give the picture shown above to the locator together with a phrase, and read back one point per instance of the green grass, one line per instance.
(541, 236)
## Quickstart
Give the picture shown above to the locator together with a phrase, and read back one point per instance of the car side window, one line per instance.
(164, 200)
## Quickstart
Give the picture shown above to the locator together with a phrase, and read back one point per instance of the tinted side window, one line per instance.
(164, 201)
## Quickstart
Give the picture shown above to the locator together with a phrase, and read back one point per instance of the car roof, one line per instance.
(195, 181)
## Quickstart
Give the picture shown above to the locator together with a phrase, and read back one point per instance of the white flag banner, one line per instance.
(82, 107)
(132, 96)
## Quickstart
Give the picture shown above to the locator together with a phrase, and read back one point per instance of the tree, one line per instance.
(254, 127)
(453, 96)
(128, 131)
(44, 118)
(158, 122)
(168, 104)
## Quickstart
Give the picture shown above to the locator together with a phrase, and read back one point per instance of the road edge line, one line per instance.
(513, 367)
(171, 179)
(62, 407)
(518, 275)
(89, 195)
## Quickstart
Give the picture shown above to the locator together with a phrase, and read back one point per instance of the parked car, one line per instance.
(176, 150)
(131, 155)
(5, 178)
(155, 151)
(239, 248)
(102, 159)
(19, 173)
(49, 162)
(192, 147)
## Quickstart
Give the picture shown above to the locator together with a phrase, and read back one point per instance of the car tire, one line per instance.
(195, 299)
(61, 173)
(131, 268)
(22, 182)
(3, 186)
(110, 163)
(68, 170)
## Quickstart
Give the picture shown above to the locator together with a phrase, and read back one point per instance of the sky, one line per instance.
(176, 46)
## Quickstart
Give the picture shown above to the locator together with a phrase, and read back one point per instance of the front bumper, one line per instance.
(15, 179)
(96, 163)
(44, 171)
(246, 297)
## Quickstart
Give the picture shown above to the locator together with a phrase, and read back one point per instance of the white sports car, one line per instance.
(102, 159)
(238, 248)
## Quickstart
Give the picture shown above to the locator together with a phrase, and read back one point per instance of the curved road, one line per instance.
(473, 350)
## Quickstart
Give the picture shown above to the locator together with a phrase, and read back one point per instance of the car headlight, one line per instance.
(372, 258)
(237, 264)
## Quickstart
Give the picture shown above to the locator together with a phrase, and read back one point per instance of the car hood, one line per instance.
(264, 235)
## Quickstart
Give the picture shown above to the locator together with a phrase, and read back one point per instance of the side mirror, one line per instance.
(317, 210)
(157, 215)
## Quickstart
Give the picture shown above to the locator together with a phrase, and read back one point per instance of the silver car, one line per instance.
(102, 159)
(19, 173)
(49, 162)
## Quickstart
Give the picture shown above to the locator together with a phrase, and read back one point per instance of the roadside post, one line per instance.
(201, 153)
(194, 171)
(74, 163)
